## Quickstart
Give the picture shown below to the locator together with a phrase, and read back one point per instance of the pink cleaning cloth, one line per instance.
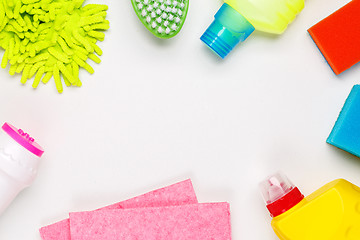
(188, 222)
(177, 194)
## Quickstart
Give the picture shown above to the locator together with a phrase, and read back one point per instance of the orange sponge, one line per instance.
(338, 37)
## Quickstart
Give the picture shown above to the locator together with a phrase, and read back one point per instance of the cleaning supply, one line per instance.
(181, 193)
(51, 38)
(191, 222)
(163, 18)
(330, 213)
(237, 19)
(171, 213)
(338, 37)
(346, 132)
(19, 160)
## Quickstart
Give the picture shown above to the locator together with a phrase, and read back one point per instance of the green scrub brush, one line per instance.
(51, 38)
(163, 18)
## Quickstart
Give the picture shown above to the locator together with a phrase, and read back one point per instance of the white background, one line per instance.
(159, 111)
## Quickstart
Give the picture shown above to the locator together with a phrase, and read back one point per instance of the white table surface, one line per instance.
(156, 112)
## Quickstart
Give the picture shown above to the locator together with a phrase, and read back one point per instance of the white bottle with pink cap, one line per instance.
(19, 160)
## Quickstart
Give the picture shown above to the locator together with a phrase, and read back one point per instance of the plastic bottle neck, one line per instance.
(227, 30)
(280, 194)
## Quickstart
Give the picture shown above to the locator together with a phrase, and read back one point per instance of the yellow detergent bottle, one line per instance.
(330, 213)
(237, 19)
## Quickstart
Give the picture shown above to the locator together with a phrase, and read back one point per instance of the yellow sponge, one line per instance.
(51, 38)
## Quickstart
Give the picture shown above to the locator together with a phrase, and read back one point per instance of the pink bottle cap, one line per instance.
(23, 139)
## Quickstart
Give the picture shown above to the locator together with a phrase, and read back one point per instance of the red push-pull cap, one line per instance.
(280, 194)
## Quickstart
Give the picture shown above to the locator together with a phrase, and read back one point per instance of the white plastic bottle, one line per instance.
(19, 160)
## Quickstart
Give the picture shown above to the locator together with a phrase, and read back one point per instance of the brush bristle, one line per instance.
(162, 16)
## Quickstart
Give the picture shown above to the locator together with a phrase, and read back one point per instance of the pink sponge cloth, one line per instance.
(177, 194)
(338, 37)
(190, 222)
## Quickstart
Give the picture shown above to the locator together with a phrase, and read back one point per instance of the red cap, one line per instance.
(280, 194)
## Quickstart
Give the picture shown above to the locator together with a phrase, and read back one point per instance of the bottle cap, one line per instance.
(23, 139)
(227, 30)
(280, 194)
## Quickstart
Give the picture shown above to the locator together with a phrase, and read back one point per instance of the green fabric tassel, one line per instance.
(51, 38)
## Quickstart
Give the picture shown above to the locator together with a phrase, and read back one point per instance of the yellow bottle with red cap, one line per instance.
(330, 213)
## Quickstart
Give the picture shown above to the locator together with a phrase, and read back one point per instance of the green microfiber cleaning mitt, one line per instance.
(51, 38)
